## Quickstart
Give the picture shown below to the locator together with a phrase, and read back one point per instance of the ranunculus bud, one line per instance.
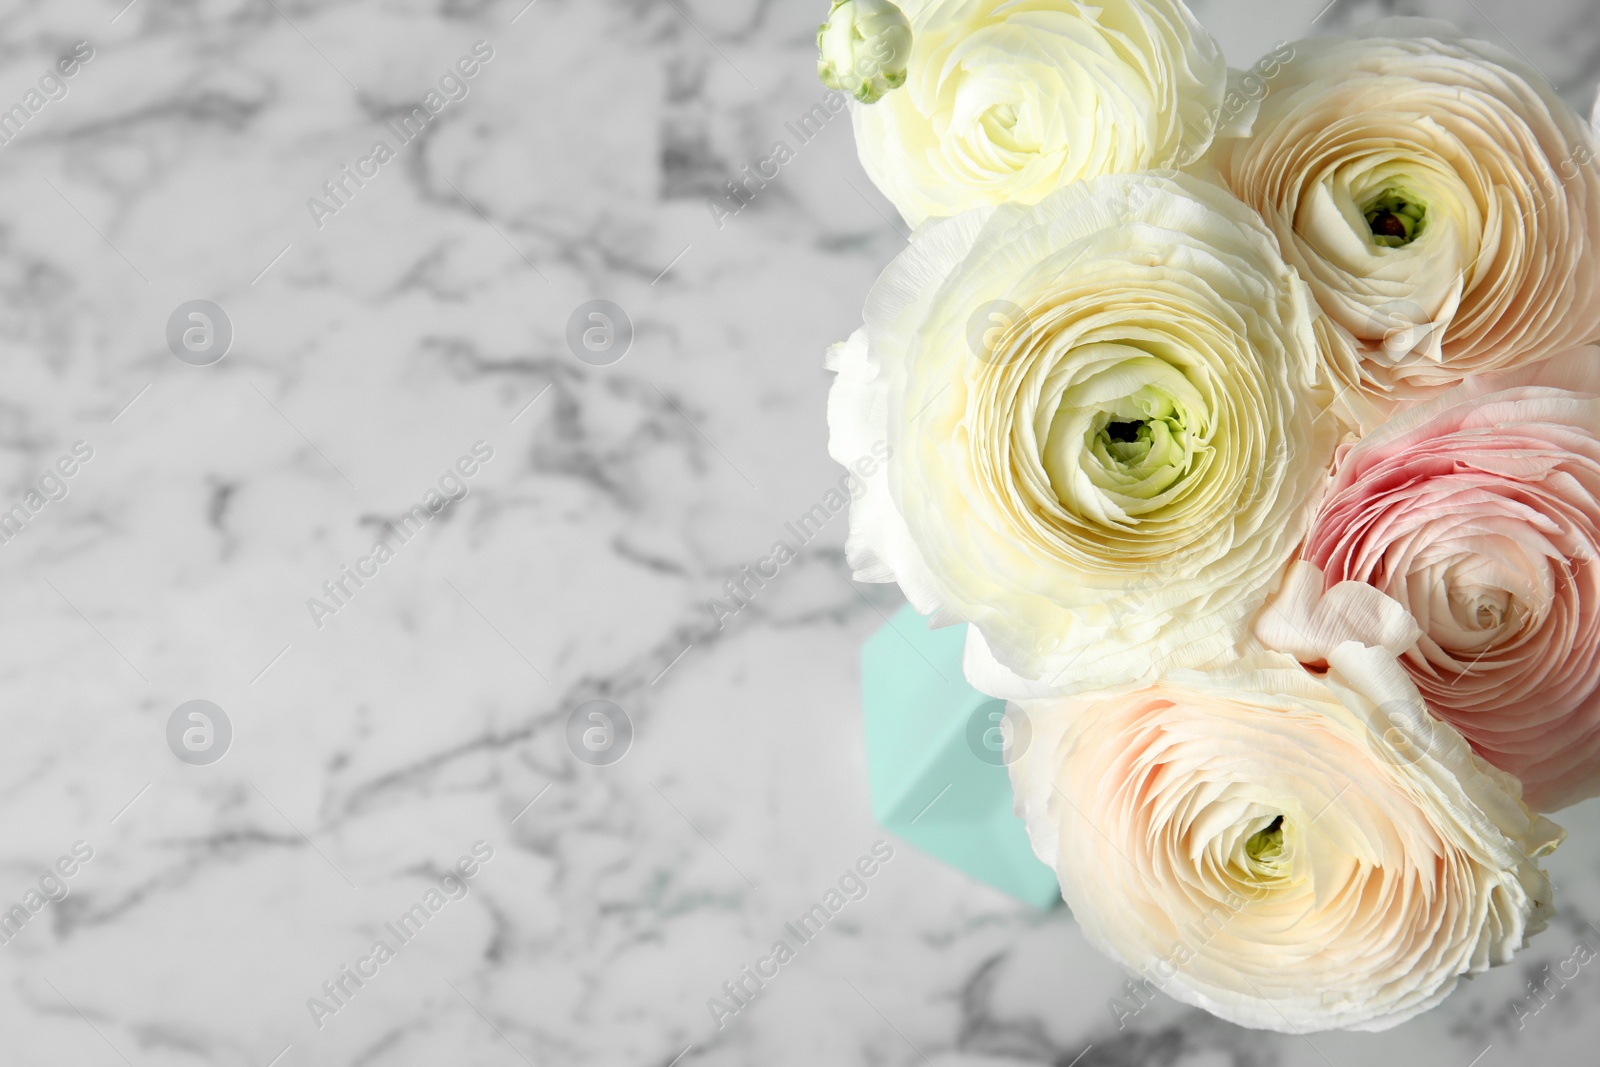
(863, 47)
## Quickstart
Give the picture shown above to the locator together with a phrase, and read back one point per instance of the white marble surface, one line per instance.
(426, 714)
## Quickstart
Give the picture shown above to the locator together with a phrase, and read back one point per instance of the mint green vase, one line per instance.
(936, 761)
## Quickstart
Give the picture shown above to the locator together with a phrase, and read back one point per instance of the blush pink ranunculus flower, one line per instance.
(1480, 513)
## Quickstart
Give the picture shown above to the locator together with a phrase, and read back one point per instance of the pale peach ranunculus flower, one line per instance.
(1250, 841)
(1440, 199)
(1479, 512)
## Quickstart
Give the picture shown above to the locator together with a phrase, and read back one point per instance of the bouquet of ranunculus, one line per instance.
(1250, 421)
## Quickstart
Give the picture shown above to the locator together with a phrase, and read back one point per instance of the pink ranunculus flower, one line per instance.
(1480, 513)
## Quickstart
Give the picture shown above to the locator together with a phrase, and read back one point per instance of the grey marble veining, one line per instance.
(375, 745)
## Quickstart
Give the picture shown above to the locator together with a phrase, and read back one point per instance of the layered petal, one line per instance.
(1286, 850)
(1107, 430)
(1479, 512)
(1439, 197)
(1008, 100)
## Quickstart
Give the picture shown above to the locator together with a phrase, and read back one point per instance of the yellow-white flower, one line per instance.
(1286, 851)
(1107, 431)
(1007, 100)
(1439, 197)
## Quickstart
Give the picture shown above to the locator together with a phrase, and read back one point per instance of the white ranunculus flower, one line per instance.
(1287, 851)
(1107, 432)
(1439, 197)
(1007, 100)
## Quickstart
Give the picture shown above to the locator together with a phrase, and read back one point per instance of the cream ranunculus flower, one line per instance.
(1439, 197)
(1107, 436)
(1270, 846)
(1007, 100)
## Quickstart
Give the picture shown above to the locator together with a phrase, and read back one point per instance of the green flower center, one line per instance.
(1395, 218)
(1126, 438)
(1151, 450)
(999, 123)
(1125, 432)
(1266, 845)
